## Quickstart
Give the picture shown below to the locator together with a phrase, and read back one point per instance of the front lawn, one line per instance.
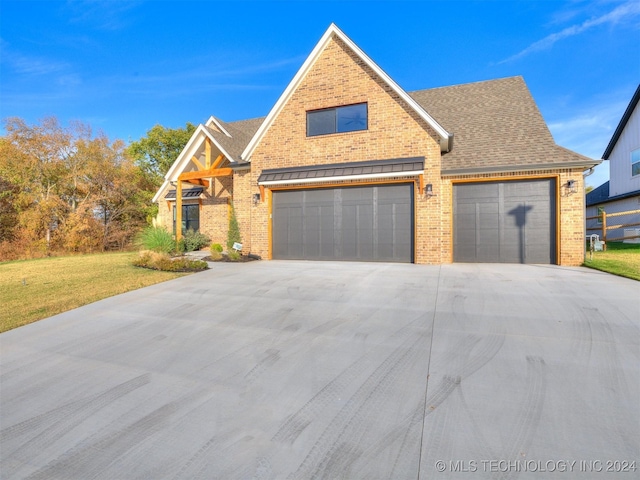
(34, 289)
(620, 259)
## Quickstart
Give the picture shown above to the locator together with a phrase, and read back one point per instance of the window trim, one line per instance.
(335, 119)
(185, 218)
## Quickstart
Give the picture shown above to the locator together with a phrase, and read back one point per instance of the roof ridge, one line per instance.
(513, 77)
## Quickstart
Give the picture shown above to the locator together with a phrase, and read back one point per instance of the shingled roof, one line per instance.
(496, 126)
(241, 133)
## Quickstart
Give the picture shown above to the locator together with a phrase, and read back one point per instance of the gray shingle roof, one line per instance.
(241, 133)
(495, 124)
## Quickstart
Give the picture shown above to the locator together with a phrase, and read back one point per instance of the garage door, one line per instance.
(373, 223)
(505, 222)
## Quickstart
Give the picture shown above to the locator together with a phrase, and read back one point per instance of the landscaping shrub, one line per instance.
(156, 239)
(162, 261)
(217, 247)
(233, 255)
(195, 240)
(233, 235)
(215, 255)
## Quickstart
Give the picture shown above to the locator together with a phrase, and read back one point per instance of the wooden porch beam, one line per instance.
(178, 210)
(421, 184)
(261, 193)
(199, 181)
(218, 172)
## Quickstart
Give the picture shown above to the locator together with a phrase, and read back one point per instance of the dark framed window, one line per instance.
(349, 118)
(190, 218)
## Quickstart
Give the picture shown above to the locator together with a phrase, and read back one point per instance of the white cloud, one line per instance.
(28, 65)
(588, 131)
(102, 14)
(625, 12)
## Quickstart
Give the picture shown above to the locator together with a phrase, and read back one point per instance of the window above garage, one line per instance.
(349, 118)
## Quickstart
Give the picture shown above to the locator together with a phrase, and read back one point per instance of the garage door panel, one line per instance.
(351, 223)
(511, 221)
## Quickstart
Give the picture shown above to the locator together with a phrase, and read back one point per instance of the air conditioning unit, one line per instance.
(630, 232)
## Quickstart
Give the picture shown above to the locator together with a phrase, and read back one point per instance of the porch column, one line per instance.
(178, 210)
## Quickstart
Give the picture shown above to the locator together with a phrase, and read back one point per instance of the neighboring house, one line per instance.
(349, 166)
(622, 192)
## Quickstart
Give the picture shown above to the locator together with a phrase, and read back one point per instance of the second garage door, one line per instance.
(505, 222)
(372, 223)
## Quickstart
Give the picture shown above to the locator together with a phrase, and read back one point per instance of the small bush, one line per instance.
(195, 240)
(233, 235)
(233, 255)
(156, 239)
(215, 255)
(162, 261)
(216, 247)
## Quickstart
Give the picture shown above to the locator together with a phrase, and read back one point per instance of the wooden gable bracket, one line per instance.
(218, 162)
(198, 164)
(207, 153)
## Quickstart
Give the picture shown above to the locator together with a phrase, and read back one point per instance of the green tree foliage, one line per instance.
(66, 189)
(156, 152)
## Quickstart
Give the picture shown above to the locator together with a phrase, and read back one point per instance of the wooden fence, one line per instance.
(604, 226)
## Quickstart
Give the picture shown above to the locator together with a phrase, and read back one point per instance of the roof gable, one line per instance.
(334, 31)
(623, 123)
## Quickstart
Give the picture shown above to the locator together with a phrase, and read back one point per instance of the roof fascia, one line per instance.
(214, 120)
(623, 123)
(445, 137)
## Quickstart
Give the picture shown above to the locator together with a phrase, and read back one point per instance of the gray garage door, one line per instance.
(352, 223)
(505, 222)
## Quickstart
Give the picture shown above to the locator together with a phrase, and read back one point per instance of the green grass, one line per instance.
(34, 289)
(620, 259)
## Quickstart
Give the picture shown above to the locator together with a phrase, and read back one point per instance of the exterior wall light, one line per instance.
(428, 191)
(256, 198)
(572, 187)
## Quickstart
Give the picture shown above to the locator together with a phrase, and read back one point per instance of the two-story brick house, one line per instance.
(349, 166)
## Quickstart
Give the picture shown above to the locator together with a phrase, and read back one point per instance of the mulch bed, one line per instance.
(225, 258)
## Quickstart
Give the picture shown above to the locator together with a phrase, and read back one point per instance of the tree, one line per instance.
(64, 188)
(156, 152)
(233, 235)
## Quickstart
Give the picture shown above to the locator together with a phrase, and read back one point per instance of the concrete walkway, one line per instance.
(331, 370)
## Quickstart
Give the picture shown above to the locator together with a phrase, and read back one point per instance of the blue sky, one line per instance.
(124, 66)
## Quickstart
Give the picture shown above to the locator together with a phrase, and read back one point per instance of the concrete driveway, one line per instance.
(332, 370)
